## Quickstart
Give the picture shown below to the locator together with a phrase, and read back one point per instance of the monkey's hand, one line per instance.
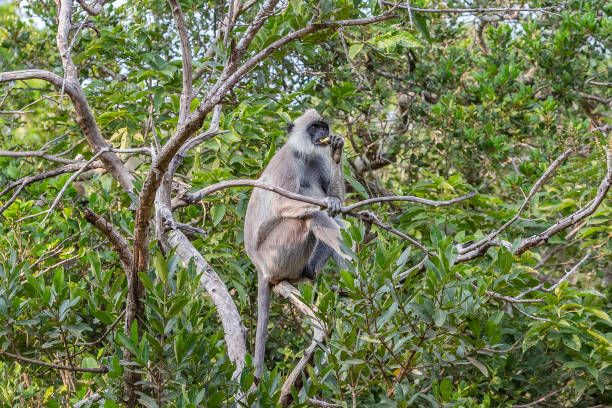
(336, 143)
(334, 206)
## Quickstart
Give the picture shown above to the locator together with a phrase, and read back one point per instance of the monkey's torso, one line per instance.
(279, 246)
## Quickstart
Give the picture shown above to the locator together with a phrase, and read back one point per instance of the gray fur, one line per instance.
(288, 239)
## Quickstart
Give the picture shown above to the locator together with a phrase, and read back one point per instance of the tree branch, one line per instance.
(24, 182)
(85, 119)
(102, 369)
(187, 93)
(576, 217)
(288, 291)
(119, 243)
(407, 6)
(534, 189)
(38, 153)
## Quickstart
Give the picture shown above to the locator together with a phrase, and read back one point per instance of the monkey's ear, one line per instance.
(290, 127)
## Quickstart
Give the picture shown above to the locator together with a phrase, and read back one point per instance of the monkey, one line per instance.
(288, 239)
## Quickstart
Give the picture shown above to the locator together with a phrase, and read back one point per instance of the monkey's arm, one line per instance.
(336, 181)
(335, 190)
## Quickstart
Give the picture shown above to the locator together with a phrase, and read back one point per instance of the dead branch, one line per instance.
(84, 118)
(576, 217)
(534, 189)
(17, 357)
(119, 243)
(187, 93)
(37, 153)
(95, 8)
(26, 181)
(289, 292)
(478, 10)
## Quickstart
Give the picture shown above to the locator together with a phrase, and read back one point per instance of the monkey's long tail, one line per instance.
(263, 315)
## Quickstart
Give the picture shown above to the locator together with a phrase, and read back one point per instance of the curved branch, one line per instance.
(288, 291)
(119, 243)
(191, 198)
(26, 181)
(187, 94)
(576, 217)
(38, 153)
(102, 369)
(85, 119)
(534, 190)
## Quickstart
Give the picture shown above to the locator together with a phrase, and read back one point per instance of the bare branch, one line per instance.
(15, 112)
(85, 119)
(371, 218)
(319, 403)
(411, 199)
(199, 195)
(68, 182)
(24, 182)
(102, 369)
(119, 243)
(187, 93)
(569, 273)
(95, 8)
(48, 174)
(95, 397)
(288, 291)
(534, 189)
(37, 153)
(563, 279)
(532, 317)
(407, 6)
(576, 217)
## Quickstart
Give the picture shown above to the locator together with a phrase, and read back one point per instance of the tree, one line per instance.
(478, 138)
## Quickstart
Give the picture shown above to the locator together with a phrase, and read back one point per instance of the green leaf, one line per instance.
(440, 317)
(160, 266)
(218, 211)
(599, 313)
(354, 50)
(479, 366)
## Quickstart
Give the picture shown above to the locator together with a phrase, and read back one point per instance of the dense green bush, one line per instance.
(433, 105)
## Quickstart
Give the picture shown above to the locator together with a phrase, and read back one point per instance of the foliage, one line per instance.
(431, 105)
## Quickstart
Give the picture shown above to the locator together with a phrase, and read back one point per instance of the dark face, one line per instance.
(319, 133)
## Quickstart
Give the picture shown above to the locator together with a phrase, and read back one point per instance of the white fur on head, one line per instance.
(300, 140)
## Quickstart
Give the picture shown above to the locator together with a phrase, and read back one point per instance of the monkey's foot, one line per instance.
(309, 273)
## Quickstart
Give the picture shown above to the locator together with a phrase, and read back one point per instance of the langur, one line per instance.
(292, 240)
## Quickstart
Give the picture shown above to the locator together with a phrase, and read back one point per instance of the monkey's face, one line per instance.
(319, 133)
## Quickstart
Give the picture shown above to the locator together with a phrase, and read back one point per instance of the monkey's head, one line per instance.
(309, 133)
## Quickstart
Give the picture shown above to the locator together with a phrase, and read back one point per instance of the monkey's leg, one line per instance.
(263, 315)
(318, 259)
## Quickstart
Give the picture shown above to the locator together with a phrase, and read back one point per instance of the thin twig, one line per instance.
(68, 182)
(102, 369)
(534, 189)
